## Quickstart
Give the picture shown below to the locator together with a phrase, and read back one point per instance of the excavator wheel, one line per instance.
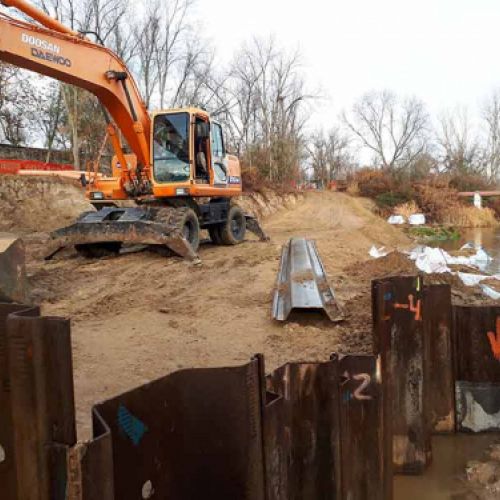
(214, 232)
(233, 230)
(99, 250)
(190, 227)
(183, 219)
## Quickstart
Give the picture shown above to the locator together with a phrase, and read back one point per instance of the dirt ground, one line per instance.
(139, 316)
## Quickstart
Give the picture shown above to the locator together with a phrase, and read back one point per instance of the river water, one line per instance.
(488, 239)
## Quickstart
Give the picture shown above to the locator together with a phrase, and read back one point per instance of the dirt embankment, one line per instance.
(33, 204)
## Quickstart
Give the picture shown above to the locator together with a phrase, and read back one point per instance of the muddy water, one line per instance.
(445, 477)
(488, 238)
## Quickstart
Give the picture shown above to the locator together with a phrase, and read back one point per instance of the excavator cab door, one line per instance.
(219, 160)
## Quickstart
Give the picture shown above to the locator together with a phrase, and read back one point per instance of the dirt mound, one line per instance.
(393, 264)
(34, 204)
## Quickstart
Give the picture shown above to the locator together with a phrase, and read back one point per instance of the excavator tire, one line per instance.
(98, 250)
(183, 219)
(233, 230)
(214, 232)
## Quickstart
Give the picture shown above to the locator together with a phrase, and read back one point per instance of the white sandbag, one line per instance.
(376, 253)
(481, 256)
(469, 279)
(432, 260)
(417, 219)
(396, 219)
(490, 292)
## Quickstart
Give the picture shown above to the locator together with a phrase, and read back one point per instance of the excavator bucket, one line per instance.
(110, 226)
(254, 227)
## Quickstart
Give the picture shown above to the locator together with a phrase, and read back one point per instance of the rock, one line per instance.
(482, 472)
(495, 452)
(13, 281)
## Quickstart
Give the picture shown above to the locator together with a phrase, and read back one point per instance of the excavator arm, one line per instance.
(58, 52)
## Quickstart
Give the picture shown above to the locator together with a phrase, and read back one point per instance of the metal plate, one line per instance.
(40, 378)
(437, 316)
(400, 335)
(302, 282)
(477, 343)
(13, 281)
(365, 434)
(192, 434)
(302, 432)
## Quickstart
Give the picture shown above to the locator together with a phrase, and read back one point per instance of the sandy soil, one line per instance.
(139, 316)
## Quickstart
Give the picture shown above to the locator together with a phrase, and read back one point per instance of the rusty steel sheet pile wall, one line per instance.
(38, 404)
(192, 434)
(400, 338)
(307, 430)
(477, 354)
(302, 432)
(437, 316)
(13, 281)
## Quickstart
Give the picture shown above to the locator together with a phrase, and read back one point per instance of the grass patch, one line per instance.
(434, 233)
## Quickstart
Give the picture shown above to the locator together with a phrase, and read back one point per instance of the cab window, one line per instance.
(171, 148)
(217, 141)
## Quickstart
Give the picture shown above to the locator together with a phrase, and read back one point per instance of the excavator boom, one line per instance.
(60, 53)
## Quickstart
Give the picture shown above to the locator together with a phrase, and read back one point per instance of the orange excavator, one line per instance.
(178, 172)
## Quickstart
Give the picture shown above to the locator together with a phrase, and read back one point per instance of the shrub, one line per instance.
(407, 209)
(464, 216)
(494, 204)
(435, 198)
(391, 200)
(470, 182)
(372, 183)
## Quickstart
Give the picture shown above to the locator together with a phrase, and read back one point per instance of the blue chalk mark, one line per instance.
(347, 397)
(130, 425)
(388, 296)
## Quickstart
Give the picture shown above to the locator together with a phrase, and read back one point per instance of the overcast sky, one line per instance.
(443, 51)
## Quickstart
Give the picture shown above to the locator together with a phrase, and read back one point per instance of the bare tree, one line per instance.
(262, 99)
(102, 20)
(51, 115)
(330, 155)
(172, 45)
(491, 118)
(394, 130)
(16, 104)
(459, 143)
(146, 36)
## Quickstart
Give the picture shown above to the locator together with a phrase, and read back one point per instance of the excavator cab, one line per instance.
(189, 156)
